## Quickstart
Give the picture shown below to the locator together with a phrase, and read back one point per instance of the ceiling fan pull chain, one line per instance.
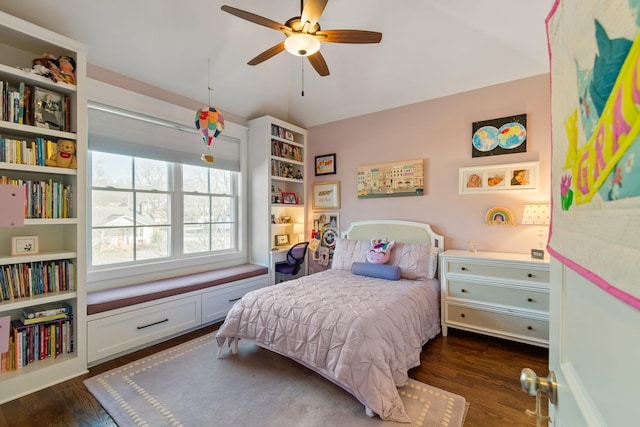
(302, 62)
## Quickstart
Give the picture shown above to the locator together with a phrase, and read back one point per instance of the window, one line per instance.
(132, 200)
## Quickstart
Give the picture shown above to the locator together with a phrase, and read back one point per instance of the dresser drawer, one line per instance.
(217, 303)
(500, 323)
(520, 298)
(126, 331)
(499, 272)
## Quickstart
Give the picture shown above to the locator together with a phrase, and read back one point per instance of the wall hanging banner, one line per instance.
(595, 107)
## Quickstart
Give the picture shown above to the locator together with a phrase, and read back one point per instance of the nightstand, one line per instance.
(494, 293)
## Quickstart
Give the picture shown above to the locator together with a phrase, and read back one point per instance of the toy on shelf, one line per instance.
(65, 157)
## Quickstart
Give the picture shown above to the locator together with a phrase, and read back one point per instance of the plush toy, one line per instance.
(380, 251)
(65, 156)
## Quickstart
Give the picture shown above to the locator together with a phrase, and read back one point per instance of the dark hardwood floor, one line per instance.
(484, 370)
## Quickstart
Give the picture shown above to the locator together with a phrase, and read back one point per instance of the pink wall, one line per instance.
(439, 131)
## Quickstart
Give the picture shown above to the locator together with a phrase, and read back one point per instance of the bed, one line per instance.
(359, 331)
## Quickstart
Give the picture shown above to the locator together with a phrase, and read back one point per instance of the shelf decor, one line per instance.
(499, 216)
(326, 195)
(25, 245)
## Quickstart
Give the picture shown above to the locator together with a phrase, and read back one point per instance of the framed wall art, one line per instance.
(326, 164)
(326, 195)
(395, 179)
(505, 135)
(496, 178)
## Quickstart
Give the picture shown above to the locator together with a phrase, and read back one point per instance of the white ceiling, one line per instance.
(429, 49)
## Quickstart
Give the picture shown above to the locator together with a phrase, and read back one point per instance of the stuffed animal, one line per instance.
(380, 251)
(65, 157)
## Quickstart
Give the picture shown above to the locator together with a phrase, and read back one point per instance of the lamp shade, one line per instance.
(302, 44)
(536, 214)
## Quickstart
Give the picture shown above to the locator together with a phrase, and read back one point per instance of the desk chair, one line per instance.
(295, 258)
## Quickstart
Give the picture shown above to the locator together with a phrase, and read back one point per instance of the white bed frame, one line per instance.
(390, 229)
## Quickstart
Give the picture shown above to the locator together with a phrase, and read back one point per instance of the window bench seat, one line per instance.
(125, 319)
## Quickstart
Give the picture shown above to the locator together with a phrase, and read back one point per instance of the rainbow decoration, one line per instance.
(499, 216)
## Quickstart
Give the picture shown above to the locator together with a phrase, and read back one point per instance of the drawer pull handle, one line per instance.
(463, 268)
(151, 324)
(464, 291)
(530, 299)
(462, 315)
(235, 299)
(530, 328)
(530, 275)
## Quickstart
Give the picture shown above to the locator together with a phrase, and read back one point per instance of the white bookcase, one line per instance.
(60, 239)
(277, 165)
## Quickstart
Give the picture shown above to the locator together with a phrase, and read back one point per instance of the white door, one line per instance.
(594, 352)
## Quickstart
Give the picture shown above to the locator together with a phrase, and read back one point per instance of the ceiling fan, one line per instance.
(303, 34)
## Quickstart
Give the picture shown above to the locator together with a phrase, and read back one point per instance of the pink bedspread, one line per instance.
(362, 333)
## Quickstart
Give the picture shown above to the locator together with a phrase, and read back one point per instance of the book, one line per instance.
(46, 310)
(44, 319)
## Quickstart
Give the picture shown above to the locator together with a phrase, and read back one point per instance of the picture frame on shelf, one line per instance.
(25, 245)
(48, 109)
(289, 199)
(326, 195)
(326, 164)
(288, 135)
(282, 239)
(498, 178)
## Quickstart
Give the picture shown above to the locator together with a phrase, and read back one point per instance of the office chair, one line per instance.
(295, 258)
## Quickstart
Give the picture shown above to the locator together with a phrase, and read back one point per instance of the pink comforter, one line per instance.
(364, 334)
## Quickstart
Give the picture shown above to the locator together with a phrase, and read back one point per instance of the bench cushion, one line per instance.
(111, 299)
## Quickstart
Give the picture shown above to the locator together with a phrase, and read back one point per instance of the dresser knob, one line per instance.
(530, 275)
(530, 328)
(530, 299)
(463, 291)
(463, 268)
(462, 315)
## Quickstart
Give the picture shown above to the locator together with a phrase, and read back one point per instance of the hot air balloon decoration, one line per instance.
(210, 124)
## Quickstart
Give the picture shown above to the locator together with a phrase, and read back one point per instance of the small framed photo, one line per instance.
(497, 178)
(326, 164)
(25, 245)
(326, 195)
(289, 199)
(288, 135)
(48, 109)
(537, 253)
(282, 239)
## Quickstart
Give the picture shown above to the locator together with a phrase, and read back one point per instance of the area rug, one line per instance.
(188, 385)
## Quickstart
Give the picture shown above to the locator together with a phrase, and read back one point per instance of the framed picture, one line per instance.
(326, 164)
(48, 109)
(497, 178)
(25, 245)
(289, 199)
(505, 135)
(282, 240)
(394, 179)
(288, 135)
(326, 195)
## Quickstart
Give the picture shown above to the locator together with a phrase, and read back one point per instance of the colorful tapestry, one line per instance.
(595, 110)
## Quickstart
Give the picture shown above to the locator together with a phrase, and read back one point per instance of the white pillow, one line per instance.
(347, 252)
(416, 261)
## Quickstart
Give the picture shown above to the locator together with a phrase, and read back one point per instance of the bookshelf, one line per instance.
(59, 223)
(278, 172)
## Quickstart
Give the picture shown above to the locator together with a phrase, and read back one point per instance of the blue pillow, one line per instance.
(379, 271)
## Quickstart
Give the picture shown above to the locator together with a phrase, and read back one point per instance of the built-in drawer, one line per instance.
(128, 330)
(521, 298)
(501, 323)
(504, 272)
(216, 303)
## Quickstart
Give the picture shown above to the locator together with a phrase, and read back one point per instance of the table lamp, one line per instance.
(537, 215)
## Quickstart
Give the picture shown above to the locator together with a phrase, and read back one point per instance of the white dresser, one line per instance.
(494, 293)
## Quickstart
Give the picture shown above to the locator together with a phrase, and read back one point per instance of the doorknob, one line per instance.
(531, 383)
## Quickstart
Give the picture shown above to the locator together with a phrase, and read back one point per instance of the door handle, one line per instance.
(531, 383)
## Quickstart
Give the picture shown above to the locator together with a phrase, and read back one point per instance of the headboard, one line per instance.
(401, 231)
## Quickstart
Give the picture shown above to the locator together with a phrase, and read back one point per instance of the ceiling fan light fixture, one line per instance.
(302, 44)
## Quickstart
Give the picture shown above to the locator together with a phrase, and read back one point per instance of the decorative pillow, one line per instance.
(416, 261)
(347, 251)
(380, 271)
(380, 251)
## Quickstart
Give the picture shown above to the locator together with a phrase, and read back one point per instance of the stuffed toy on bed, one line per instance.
(380, 251)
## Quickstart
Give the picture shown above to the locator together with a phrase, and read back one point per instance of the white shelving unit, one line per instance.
(60, 238)
(277, 165)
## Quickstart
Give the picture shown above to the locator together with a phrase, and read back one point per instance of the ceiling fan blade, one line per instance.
(256, 19)
(349, 36)
(271, 52)
(319, 64)
(312, 11)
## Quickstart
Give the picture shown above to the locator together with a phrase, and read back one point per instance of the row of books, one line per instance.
(287, 151)
(35, 106)
(25, 152)
(285, 170)
(25, 280)
(31, 343)
(44, 199)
